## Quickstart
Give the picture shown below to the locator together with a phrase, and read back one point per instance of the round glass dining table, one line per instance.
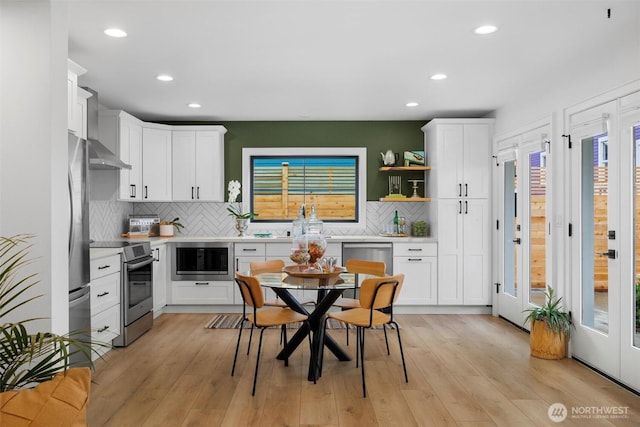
(328, 291)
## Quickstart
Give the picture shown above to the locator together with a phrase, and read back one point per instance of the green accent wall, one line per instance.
(376, 136)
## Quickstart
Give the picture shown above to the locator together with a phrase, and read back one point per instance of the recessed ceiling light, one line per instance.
(164, 78)
(115, 32)
(439, 76)
(412, 104)
(486, 29)
(194, 105)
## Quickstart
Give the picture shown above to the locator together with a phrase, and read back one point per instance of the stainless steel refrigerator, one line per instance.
(79, 288)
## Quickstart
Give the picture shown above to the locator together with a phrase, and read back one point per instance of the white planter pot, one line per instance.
(166, 230)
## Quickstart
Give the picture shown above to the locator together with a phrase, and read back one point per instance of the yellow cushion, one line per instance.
(361, 317)
(62, 401)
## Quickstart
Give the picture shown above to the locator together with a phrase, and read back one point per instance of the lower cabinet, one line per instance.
(160, 279)
(419, 264)
(105, 302)
(202, 292)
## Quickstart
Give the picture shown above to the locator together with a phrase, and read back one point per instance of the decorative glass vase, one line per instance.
(241, 225)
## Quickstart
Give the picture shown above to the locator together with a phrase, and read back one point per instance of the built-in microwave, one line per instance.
(202, 261)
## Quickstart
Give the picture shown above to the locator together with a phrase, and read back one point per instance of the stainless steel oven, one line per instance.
(206, 261)
(136, 316)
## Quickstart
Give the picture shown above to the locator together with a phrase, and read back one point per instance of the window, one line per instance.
(277, 181)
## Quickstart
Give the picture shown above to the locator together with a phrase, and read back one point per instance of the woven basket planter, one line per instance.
(545, 343)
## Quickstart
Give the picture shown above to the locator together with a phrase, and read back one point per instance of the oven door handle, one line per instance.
(135, 265)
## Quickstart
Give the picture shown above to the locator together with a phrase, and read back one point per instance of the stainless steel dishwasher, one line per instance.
(372, 251)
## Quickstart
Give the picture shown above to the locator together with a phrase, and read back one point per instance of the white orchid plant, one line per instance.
(235, 207)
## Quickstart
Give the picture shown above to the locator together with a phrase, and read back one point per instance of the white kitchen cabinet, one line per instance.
(464, 252)
(73, 71)
(198, 164)
(211, 292)
(105, 301)
(459, 151)
(160, 276)
(80, 112)
(122, 134)
(156, 165)
(245, 254)
(419, 264)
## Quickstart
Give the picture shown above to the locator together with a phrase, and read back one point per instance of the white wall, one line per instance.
(33, 146)
(611, 64)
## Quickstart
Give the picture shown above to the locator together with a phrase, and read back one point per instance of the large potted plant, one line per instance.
(550, 328)
(28, 358)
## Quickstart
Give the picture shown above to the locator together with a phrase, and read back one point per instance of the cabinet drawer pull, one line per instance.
(102, 267)
(414, 259)
(103, 329)
(103, 294)
(202, 283)
(249, 249)
(415, 249)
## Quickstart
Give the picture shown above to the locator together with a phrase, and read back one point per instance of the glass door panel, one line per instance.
(595, 213)
(510, 227)
(636, 236)
(537, 226)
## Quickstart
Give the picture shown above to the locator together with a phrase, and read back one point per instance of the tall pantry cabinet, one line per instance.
(459, 151)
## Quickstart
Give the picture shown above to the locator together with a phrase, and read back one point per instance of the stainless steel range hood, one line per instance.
(100, 157)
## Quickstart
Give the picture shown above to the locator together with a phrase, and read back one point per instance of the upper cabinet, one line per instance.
(168, 163)
(156, 164)
(198, 164)
(460, 149)
(73, 71)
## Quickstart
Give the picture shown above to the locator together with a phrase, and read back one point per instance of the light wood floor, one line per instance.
(464, 370)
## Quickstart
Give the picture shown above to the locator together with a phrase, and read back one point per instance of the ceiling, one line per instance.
(335, 60)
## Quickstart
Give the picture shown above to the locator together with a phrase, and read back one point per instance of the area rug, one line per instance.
(232, 321)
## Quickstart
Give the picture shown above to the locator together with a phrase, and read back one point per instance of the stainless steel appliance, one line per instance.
(202, 261)
(100, 157)
(373, 251)
(136, 304)
(79, 297)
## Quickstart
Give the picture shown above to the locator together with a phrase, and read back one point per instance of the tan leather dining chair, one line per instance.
(359, 266)
(275, 266)
(261, 317)
(375, 294)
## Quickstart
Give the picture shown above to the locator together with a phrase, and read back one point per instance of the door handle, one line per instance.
(611, 254)
(146, 192)
(466, 190)
(466, 207)
(517, 241)
(192, 194)
(459, 190)
(459, 207)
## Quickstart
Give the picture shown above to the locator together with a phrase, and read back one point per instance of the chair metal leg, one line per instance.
(250, 336)
(364, 387)
(357, 346)
(386, 340)
(255, 376)
(404, 366)
(235, 357)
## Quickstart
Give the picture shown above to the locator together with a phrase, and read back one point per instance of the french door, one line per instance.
(605, 177)
(523, 230)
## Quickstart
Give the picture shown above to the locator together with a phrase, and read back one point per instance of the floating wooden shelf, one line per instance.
(405, 168)
(405, 199)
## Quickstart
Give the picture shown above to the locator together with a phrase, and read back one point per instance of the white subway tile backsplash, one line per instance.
(108, 218)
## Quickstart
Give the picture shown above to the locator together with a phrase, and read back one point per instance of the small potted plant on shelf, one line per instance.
(550, 328)
(167, 227)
